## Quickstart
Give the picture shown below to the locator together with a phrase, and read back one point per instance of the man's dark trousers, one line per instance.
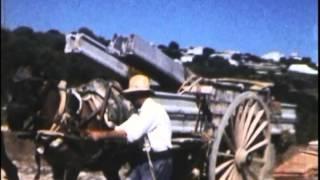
(162, 170)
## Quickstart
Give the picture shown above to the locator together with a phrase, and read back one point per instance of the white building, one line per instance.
(302, 68)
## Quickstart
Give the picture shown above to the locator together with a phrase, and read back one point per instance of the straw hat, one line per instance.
(138, 83)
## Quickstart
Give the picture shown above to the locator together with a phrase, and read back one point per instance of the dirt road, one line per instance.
(21, 152)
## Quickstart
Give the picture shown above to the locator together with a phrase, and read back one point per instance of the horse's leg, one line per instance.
(71, 174)
(111, 175)
(58, 172)
(9, 168)
(38, 163)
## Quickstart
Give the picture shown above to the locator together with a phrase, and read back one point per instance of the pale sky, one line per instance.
(248, 26)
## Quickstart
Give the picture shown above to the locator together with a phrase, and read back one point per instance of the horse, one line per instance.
(70, 154)
(94, 105)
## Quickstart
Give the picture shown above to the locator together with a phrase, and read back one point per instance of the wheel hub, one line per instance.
(242, 157)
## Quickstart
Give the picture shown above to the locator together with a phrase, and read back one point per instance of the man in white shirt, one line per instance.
(151, 123)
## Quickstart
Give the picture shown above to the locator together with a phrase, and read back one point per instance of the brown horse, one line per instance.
(95, 105)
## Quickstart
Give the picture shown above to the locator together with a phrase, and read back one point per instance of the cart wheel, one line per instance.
(241, 148)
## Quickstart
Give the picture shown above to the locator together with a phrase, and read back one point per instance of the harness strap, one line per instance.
(55, 126)
(101, 110)
(62, 105)
(86, 93)
(147, 149)
(78, 96)
(105, 100)
(92, 104)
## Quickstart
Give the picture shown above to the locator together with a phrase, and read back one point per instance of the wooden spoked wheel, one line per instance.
(241, 145)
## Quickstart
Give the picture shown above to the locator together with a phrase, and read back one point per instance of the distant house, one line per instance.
(187, 58)
(265, 67)
(195, 51)
(273, 56)
(227, 56)
(302, 68)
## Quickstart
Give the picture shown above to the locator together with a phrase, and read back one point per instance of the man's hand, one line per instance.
(100, 134)
(96, 135)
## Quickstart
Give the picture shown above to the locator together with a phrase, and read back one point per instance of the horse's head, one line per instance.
(98, 104)
(28, 99)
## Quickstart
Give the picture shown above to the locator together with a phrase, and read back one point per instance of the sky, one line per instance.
(248, 26)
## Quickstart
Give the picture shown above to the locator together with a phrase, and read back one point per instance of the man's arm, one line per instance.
(138, 125)
(101, 134)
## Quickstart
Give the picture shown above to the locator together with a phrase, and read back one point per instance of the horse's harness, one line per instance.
(62, 117)
(89, 97)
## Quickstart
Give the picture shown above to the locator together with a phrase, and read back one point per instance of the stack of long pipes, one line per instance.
(132, 51)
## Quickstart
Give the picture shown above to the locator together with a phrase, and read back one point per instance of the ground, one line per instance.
(21, 152)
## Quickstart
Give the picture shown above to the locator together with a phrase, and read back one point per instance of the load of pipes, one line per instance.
(132, 51)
